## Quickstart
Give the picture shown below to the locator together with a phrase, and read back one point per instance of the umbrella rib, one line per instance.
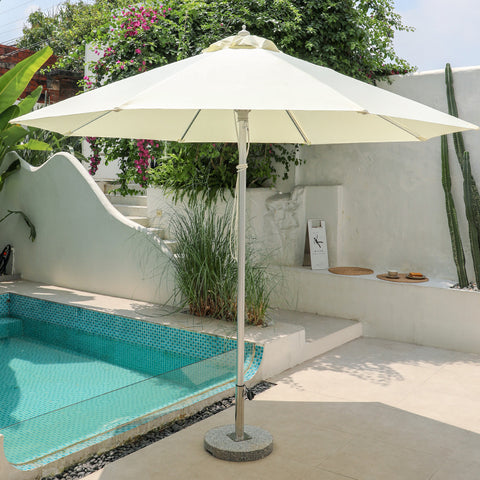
(405, 129)
(71, 132)
(182, 138)
(298, 127)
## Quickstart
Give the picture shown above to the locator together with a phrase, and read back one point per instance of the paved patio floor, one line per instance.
(371, 409)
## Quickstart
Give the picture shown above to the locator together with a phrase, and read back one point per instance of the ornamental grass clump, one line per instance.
(206, 271)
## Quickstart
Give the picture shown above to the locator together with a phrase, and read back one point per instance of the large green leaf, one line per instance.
(13, 167)
(33, 144)
(27, 104)
(7, 115)
(14, 82)
(31, 226)
(12, 135)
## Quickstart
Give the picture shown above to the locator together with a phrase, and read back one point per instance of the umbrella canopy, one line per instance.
(290, 101)
(243, 89)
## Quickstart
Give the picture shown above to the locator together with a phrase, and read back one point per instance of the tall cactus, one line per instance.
(457, 247)
(472, 228)
(459, 143)
(473, 197)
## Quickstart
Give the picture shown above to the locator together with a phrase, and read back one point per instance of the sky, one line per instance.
(445, 30)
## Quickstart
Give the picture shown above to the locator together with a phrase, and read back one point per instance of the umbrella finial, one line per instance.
(244, 32)
(242, 39)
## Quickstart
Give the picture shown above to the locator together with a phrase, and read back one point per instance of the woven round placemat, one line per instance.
(402, 278)
(350, 271)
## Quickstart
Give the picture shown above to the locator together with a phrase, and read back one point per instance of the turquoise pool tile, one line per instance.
(4, 304)
(10, 327)
(181, 367)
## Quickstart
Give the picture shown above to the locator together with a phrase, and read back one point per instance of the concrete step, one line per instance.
(172, 245)
(138, 219)
(132, 210)
(159, 232)
(109, 185)
(128, 200)
(133, 207)
(323, 334)
(300, 337)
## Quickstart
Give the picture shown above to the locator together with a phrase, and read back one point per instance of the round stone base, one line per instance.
(220, 442)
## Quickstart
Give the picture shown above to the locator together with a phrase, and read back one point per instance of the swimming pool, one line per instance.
(73, 377)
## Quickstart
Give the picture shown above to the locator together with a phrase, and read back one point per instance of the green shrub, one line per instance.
(206, 271)
(206, 171)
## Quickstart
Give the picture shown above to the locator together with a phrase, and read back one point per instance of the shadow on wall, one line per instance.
(82, 242)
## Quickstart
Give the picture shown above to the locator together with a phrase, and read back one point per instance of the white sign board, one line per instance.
(317, 236)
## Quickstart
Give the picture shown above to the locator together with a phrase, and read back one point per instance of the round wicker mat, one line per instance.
(350, 271)
(402, 278)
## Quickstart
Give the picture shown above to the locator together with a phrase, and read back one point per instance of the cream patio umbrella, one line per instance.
(243, 89)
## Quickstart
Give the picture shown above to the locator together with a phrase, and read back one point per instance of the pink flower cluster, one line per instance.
(88, 82)
(107, 53)
(136, 19)
(95, 157)
(145, 156)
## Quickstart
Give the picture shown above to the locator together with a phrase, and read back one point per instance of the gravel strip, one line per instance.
(99, 461)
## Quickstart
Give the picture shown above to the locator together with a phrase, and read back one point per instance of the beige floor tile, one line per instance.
(368, 459)
(417, 432)
(463, 382)
(358, 386)
(370, 410)
(384, 372)
(451, 409)
(366, 350)
(468, 449)
(454, 470)
(182, 457)
(287, 392)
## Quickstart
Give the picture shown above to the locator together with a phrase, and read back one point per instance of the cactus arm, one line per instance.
(473, 232)
(456, 241)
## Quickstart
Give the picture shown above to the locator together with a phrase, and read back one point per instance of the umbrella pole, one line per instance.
(240, 443)
(242, 119)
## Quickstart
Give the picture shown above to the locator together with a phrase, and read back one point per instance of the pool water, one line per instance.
(66, 386)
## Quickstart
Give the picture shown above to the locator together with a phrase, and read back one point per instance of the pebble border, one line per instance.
(472, 286)
(96, 462)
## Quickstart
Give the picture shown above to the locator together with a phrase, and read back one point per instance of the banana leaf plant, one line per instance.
(12, 136)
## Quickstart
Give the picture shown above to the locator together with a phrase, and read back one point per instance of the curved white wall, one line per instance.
(82, 241)
(394, 206)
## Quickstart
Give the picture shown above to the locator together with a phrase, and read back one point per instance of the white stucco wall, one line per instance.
(393, 201)
(82, 241)
(428, 313)
(276, 222)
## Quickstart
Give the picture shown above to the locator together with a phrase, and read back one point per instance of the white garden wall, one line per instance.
(394, 217)
(82, 241)
(393, 201)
